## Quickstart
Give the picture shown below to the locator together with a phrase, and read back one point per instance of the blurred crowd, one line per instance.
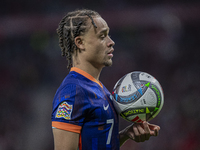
(166, 46)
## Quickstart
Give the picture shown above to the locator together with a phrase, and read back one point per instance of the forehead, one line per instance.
(100, 23)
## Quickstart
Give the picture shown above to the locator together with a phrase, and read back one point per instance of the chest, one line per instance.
(101, 106)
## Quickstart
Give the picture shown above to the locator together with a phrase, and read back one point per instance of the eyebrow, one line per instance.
(104, 30)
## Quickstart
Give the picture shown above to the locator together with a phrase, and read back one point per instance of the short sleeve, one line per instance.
(69, 108)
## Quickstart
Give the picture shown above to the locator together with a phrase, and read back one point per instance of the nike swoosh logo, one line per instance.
(105, 107)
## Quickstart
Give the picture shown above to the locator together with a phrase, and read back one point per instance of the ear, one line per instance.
(79, 42)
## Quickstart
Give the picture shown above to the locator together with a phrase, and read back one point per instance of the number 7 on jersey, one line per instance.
(110, 130)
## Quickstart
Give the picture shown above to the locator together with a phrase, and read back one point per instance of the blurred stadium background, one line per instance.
(161, 37)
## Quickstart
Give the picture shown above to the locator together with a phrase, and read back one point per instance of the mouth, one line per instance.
(110, 53)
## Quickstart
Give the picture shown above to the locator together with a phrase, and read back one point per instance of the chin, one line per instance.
(108, 63)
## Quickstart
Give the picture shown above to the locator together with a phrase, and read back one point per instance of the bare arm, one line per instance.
(65, 140)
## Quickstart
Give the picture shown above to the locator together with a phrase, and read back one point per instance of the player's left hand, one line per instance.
(141, 132)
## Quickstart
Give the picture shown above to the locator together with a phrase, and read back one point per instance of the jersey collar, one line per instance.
(85, 74)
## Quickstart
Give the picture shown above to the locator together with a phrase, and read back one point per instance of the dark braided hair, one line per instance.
(71, 26)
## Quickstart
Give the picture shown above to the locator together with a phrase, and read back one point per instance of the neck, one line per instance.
(90, 69)
(86, 66)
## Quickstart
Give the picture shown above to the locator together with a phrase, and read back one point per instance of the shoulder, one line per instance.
(72, 81)
(68, 89)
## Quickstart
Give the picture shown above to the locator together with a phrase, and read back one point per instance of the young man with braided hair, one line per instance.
(83, 115)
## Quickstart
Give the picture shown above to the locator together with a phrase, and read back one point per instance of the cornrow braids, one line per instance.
(71, 26)
(77, 32)
(92, 20)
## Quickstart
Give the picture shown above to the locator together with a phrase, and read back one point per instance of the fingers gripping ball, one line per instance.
(138, 97)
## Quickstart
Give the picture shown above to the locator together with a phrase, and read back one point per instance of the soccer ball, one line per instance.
(138, 97)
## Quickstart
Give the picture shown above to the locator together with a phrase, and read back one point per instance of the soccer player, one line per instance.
(83, 115)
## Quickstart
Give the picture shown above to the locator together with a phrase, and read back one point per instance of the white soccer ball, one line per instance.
(138, 97)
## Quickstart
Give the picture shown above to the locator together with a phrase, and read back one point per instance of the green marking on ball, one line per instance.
(156, 109)
(147, 110)
(123, 116)
(147, 85)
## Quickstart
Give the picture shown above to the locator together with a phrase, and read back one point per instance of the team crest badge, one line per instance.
(64, 111)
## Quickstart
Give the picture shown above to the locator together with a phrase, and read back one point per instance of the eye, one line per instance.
(103, 36)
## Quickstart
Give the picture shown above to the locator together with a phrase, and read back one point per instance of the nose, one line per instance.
(111, 43)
